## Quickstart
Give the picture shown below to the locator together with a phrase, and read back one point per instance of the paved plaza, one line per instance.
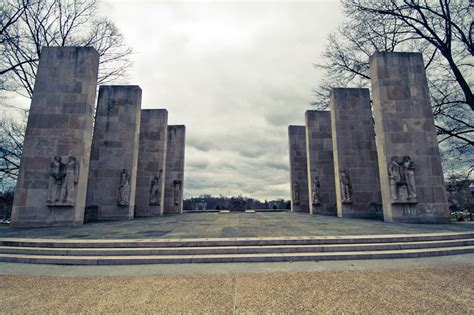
(235, 224)
(394, 291)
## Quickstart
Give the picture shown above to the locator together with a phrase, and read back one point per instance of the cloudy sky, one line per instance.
(236, 74)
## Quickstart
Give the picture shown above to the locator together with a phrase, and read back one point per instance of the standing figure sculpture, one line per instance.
(401, 173)
(71, 177)
(394, 176)
(409, 172)
(296, 193)
(177, 192)
(55, 179)
(155, 191)
(316, 195)
(346, 186)
(124, 189)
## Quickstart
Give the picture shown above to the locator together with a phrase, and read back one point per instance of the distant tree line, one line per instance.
(239, 203)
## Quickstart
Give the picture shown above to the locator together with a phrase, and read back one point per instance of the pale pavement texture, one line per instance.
(260, 224)
(428, 290)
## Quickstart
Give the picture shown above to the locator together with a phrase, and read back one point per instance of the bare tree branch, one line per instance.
(42, 23)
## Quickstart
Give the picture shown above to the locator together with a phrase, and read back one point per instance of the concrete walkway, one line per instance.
(237, 268)
(438, 290)
(421, 285)
(211, 225)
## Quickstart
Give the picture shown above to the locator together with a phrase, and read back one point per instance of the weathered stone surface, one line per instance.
(355, 154)
(298, 169)
(174, 177)
(151, 163)
(404, 126)
(113, 165)
(53, 191)
(322, 200)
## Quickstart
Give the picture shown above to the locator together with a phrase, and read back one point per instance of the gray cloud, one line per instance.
(236, 74)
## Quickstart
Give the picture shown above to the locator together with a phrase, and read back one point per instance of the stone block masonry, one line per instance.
(411, 176)
(355, 155)
(114, 154)
(321, 186)
(298, 169)
(174, 176)
(151, 163)
(52, 184)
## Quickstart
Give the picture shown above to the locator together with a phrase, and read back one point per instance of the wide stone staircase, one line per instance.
(224, 250)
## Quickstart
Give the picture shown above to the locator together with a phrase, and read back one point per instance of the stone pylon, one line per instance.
(114, 154)
(411, 177)
(52, 183)
(151, 163)
(321, 185)
(298, 169)
(355, 155)
(174, 179)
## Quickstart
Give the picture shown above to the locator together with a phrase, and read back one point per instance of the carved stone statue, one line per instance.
(177, 192)
(71, 177)
(409, 170)
(55, 179)
(296, 193)
(62, 180)
(394, 177)
(155, 191)
(401, 174)
(124, 189)
(346, 186)
(316, 195)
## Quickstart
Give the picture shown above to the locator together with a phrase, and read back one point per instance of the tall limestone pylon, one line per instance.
(411, 177)
(298, 169)
(174, 178)
(52, 184)
(355, 155)
(152, 163)
(321, 185)
(113, 166)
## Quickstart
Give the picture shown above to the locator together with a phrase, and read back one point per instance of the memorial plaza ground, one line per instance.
(235, 224)
(413, 285)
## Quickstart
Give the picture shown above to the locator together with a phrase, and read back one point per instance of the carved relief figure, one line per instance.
(296, 193)
(316, 196)
(409, 170)
(71, 177)
(124, 189)
(55, 179)
(177, 192)
(402, 180)
(62, 180)
(346, 186)
(394, 177)
(155, 191)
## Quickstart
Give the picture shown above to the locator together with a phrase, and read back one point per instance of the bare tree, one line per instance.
(444, 24)
(441, 30)
(40, 23)
(9, 16)
(12, 133)
(28, 25)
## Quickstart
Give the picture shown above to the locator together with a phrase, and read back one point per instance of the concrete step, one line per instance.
(222, 258)
(250, 241)
(216, 250)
